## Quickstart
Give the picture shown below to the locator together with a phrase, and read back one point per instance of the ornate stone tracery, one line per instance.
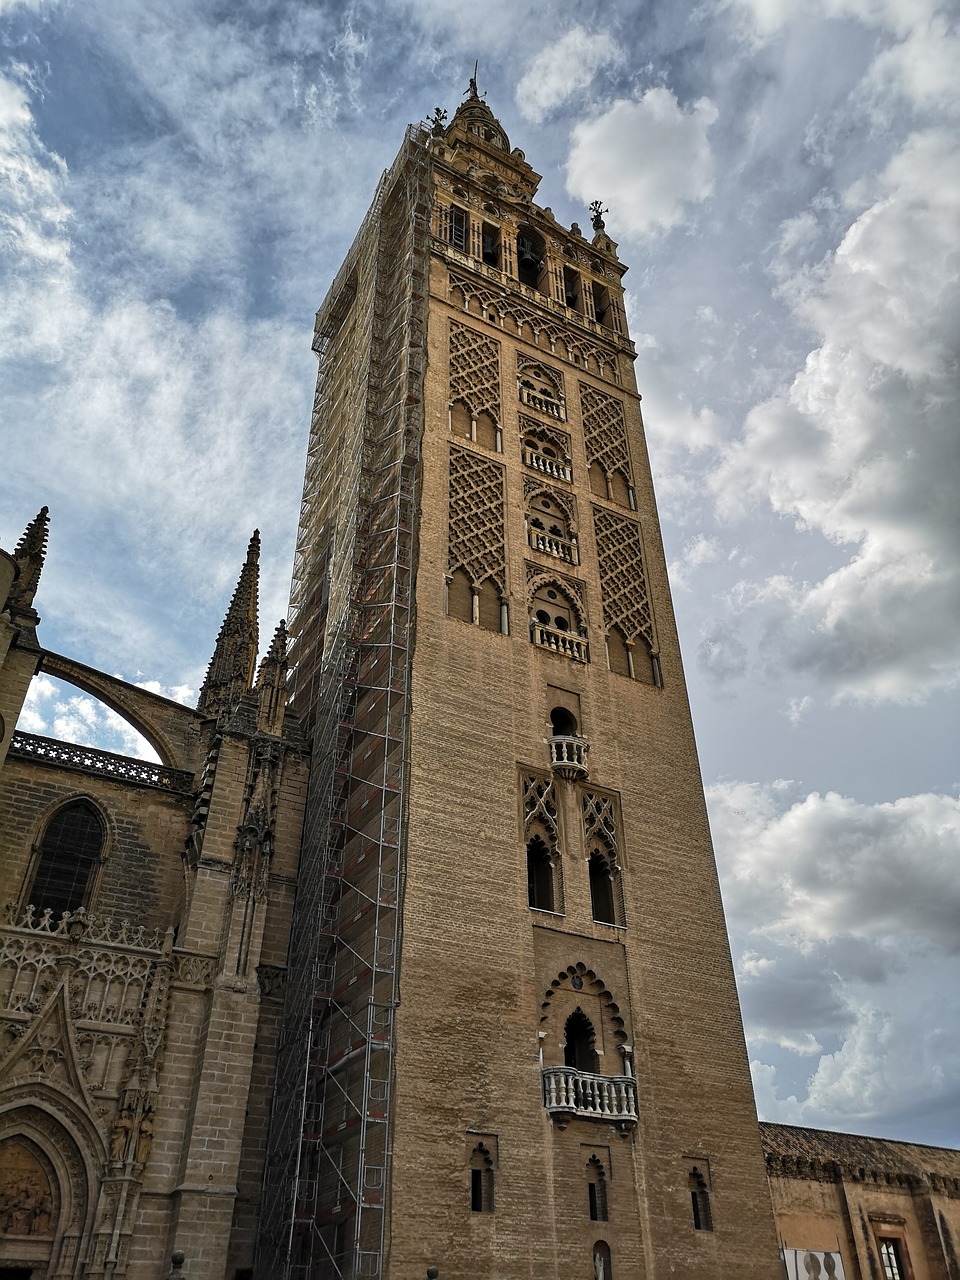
(475, 371)
(540, 809)
(600, 820)
(476, 534)
(604, 432)
(622, 581)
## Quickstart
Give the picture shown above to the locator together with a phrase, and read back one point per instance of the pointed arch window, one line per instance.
(68, 856)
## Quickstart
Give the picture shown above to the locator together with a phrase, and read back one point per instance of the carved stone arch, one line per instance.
(69, 1149)
(531, 367)
(574, 984)
(160, 720)
(571, 591)
(533, 490)
(43, 824)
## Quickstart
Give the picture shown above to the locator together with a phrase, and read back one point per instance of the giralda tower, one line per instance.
(512, 1045)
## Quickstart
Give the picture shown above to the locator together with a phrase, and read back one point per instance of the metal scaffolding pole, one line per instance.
(326, 1196)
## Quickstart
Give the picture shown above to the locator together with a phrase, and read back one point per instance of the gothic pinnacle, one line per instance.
(29, 555)
(231, 669)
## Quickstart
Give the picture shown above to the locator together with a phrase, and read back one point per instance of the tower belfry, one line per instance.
(511, 1044)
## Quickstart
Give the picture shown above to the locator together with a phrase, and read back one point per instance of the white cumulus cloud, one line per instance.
(563, 68)
(646, 159)
(862, 446)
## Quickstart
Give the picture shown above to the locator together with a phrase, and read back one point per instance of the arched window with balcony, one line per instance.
(541, 388)
(550, 524)
(69, 855)
(556, 620)
(546, 450)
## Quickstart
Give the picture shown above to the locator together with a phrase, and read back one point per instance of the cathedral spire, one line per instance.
(230, 673)
(272, 683)
(29, 555)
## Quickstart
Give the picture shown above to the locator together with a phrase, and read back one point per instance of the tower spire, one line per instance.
(230, 673)
(29, 555)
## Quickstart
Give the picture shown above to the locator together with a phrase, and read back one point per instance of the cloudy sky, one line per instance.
(178, 183)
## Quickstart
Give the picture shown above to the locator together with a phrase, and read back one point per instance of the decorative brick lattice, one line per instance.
(604, 434)
(476, 542)
(475, 371)
(622, 581)
(496, 300)
(600, 819)
(539, 805)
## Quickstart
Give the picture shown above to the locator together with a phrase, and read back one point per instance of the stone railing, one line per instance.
(548, 466)
(543, 404)
(71, 755)
(564, 642)
(550, 545)
(567, 1092)
(77, 925)
(568, 756)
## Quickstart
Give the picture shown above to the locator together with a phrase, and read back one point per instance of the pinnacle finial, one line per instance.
(29, 554)
(596, 215)
(272, 683)
(231, 669)
(472, 92)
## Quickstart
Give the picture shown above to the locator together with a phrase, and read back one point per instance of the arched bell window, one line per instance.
(531, 258)
(548, 527)
(69, 854)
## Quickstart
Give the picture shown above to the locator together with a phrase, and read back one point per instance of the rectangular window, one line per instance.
(458, 228)
(892, 1260)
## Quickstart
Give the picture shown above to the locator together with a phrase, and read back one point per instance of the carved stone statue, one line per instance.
(121, 1135)
(145, 1139)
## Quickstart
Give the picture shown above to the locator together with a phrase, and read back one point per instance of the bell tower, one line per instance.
(512, 1043)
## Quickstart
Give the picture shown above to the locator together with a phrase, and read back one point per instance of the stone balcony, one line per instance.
(548, 544)
(543, 404)
(568, 756)
(547, 466)
(563, 642)
(568, 1092)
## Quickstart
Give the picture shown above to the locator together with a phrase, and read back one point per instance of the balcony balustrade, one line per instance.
(568, 756)
(563, 642)
(543, 404)
(568, 1092)
(550, 545)
(547, 466)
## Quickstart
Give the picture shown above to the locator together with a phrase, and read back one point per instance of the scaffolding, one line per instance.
(326, 1197)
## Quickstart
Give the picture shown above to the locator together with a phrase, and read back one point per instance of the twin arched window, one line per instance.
(68, 854)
